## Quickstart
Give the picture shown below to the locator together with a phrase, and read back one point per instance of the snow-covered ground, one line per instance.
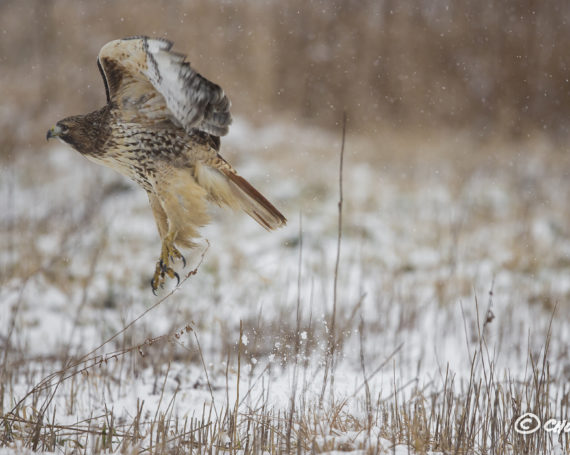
(446, 256)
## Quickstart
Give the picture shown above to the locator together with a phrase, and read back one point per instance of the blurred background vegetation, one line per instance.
(489, 67)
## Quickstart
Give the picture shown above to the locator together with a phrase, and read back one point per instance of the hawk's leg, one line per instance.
(169, 253)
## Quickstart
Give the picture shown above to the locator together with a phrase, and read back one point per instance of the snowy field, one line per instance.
(451, 321)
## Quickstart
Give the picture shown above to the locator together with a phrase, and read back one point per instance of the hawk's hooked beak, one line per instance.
(53, 132)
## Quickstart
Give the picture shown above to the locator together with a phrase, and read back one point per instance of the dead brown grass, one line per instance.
(478, 420)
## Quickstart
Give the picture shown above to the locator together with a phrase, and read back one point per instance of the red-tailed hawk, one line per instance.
(161, 127)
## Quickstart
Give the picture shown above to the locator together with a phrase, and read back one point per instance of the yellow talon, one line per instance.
(169, 253)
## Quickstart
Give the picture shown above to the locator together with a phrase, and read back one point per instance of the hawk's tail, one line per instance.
(255, 204)
(225, 186)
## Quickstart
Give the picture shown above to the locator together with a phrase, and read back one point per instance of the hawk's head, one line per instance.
(66, 129)
(79, 131)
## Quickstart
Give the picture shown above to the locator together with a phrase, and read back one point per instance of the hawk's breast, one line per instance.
(138, 152)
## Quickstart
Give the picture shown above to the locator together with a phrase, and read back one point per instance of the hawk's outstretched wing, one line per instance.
(150, 83)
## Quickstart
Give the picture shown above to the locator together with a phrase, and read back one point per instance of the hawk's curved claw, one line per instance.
(158, 278)
(168, 255)
(175, 254)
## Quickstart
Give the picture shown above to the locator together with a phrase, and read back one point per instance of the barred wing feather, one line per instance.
(145, 78)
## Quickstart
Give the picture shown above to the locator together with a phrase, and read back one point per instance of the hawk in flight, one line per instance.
(161, 127)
